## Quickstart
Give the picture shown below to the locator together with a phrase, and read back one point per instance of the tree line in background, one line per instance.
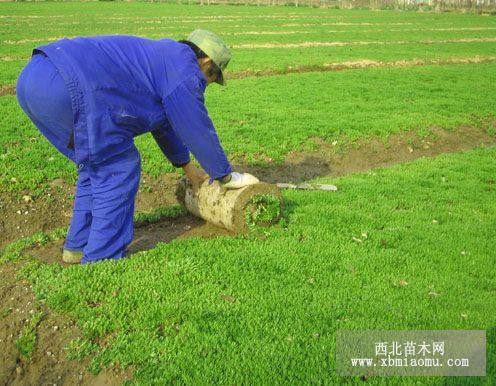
(425, 5)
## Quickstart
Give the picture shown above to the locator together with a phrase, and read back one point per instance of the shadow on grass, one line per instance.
(308, 168)
(147, 235)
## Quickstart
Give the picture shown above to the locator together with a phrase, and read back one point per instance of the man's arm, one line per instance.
(186, 112)
(178, 154)
(172, 147)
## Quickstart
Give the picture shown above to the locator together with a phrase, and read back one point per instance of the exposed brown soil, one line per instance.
(334, 66)
(340, 158)
(360, 64)
(9, 58)
(360, 43)
(271, 32)
(47, 364)
(340, 23)
(105, 18)
(310, 32)
(21, 215)
(7, 89)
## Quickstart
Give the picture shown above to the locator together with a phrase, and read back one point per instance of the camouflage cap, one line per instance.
(214, 47)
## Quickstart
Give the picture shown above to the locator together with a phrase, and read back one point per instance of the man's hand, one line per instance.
(238, 180)
(195, 175)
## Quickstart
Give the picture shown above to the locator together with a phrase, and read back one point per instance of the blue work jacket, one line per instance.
(124, 86)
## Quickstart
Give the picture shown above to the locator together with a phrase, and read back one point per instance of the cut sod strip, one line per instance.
(411, 247)
(237, 210)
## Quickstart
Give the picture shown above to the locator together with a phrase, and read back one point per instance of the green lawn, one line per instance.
(41, 23)
(259, 311)
(272, 116)
(260, 118)
(411, 247)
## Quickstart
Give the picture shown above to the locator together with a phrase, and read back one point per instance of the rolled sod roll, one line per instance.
(234, 209)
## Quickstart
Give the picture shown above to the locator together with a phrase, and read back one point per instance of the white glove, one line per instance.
(240, 180)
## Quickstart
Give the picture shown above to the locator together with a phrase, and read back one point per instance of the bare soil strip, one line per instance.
(291, 16)
(47, 364)
(341, 158)
(7, 89)
(28, 215)
(20, 218)
(8, 58)
(35, 40)
(269, 33)
(173, 26)
(360, 64)
(343, 23)
(306, 32)
(361, 43)
(336, 66)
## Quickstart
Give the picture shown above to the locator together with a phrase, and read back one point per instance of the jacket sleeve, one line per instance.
(188, 116)
(172, 147)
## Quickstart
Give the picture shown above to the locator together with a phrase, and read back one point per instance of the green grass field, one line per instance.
(28, 25)
(262, 117)
(409, 247)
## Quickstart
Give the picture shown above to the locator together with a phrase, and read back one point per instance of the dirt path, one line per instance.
(340, 158)
(359, 43)
(21, 215)
(361, 64)
(271, 32)
(9, 89)
(47, 364)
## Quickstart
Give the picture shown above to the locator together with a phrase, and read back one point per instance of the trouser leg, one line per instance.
(79, 230)
(43, 96)
(114, 184)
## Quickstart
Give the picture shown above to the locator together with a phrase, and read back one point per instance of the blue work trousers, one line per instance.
(102, 221)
